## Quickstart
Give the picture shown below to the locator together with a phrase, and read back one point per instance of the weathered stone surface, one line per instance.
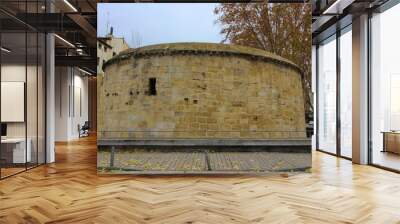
(212, 91)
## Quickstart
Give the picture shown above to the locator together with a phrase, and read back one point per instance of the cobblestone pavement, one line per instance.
(153, 161)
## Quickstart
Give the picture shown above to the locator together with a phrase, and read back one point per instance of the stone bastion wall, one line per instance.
(200, 91)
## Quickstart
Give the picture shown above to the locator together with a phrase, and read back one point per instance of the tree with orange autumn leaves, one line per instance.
(283, 29)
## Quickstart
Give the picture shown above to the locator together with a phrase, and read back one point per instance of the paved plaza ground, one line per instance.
(132, 161)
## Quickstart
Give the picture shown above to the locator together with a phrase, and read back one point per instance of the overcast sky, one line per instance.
(159, 23)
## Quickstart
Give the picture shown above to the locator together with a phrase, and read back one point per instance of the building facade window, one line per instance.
(334, 95)
(385, 89)
(378, 78)
(327, 95)
(22, 77)
(346, 73)
(152, 86)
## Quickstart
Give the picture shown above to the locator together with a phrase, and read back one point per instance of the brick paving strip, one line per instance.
(127, 161)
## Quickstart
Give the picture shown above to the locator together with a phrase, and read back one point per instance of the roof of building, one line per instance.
(103, 41)
(201, 48)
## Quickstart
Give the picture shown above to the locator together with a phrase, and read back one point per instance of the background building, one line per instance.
(108, 47)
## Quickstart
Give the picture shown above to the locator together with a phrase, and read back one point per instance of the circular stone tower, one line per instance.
(200, 91)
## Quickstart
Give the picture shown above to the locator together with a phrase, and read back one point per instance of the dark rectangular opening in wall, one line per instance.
(152, 86)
